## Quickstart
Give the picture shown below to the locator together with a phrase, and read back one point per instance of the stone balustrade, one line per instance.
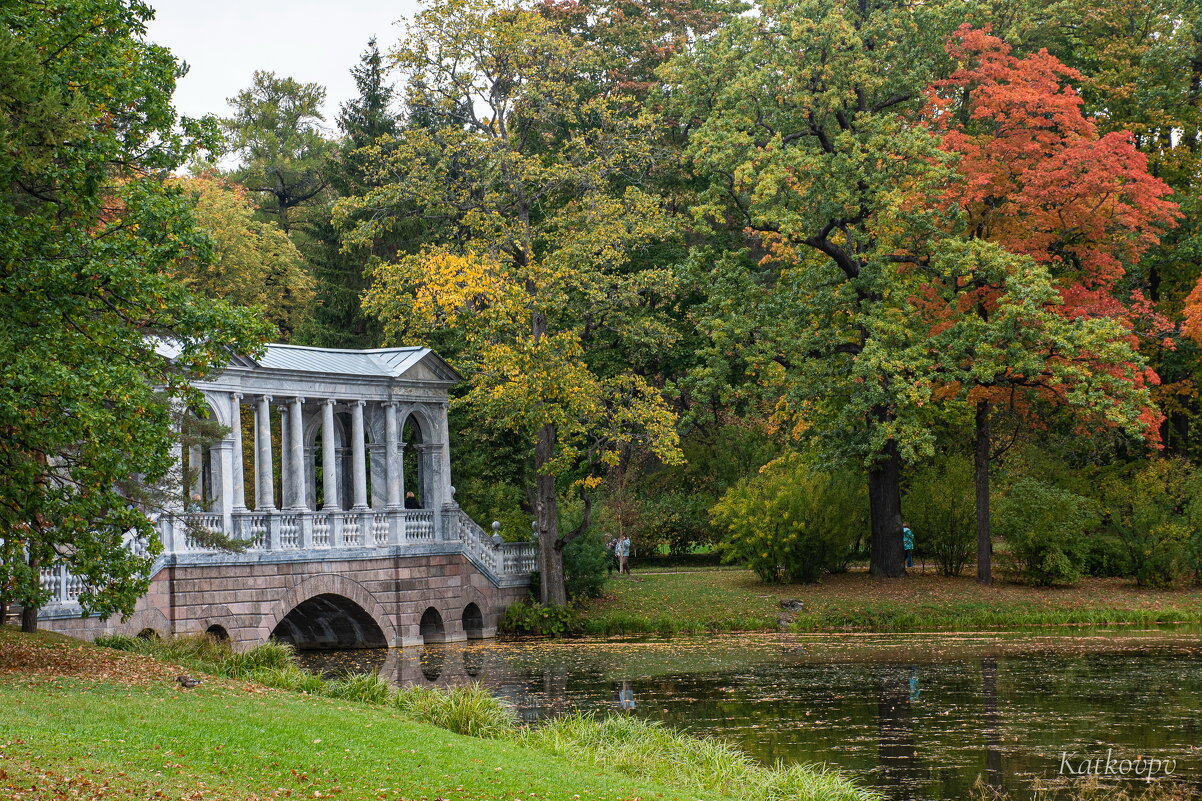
(308, 535)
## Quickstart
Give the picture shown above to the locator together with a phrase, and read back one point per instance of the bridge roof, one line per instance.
(380, 362)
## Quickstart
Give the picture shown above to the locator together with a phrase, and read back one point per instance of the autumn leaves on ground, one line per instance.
(83, 721)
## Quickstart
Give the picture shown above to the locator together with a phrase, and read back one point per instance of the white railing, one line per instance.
(196, 524)
(419, 525)
(285, 531)
(322, 528)
(379, 528)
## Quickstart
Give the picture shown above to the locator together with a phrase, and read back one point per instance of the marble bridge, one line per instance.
(334, 474)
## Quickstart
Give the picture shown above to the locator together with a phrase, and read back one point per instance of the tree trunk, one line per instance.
(887, 557)
(29, 612)
(550, 549)
(981, 476)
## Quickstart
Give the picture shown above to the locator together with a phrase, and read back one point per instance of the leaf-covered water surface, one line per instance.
(918, 716)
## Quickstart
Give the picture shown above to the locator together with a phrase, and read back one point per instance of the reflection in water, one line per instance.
(993, 723)
(919, 716)
(900, 769)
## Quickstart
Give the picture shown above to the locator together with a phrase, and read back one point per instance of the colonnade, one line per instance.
(360, 469)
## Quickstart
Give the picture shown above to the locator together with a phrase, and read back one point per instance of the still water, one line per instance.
(919, 716)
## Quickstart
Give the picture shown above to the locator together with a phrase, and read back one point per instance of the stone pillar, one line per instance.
(358, 457)
(264, 483)
(443, 456)
(296, 426)
(285, 458)
(237, 474)
(392, 457)
(329, 458)
(226, 452)
(196, 466)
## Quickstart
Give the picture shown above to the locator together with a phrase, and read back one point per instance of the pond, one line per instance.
(918, 716)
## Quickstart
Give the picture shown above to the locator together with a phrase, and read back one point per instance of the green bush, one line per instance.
(535, 619)
(584, 565)
(941, 509)
(1106, 556)
(366, 688)
(463, 710)
(677, 521)
(1045, 530)
(119, 642)
(271, 655)
(791, 522)
(1150, 509)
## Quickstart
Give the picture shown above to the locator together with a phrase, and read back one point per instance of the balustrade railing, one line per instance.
(285, 531)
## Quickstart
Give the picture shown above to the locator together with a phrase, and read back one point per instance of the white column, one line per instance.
(392, 456)
(296, 426)
(264, 484)
(227, 486)
(358, 457)
(285, 458)
(196, 465)
(237, 474)
(444, 455)
(329, 458)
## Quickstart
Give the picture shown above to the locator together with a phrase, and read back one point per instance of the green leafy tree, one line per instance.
(342, 268)
(253, 263)
(539, 218)
(807, 145)
(276, 131)
(90, 243)
(1046, 528)
(791, 522)
(1153, 509)
(940, 509)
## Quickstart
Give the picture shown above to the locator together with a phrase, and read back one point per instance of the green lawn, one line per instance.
(82, 721)
(726, 600)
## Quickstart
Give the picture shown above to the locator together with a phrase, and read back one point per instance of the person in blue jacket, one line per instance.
(908, 544)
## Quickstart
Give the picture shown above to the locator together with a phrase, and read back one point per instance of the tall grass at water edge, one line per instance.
(640, 749)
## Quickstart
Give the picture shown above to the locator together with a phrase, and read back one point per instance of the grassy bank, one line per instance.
(91, 722)
(715, 601)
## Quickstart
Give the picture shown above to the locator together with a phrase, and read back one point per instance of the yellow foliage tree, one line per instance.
(525, 165)
(254, 263)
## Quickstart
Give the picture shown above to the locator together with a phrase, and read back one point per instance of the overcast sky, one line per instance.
(314, 41)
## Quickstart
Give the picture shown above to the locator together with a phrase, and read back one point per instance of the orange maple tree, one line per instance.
(1065, 208)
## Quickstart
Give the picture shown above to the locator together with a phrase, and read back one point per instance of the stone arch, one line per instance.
(218, 406)
(431, 626)
(147, 618)
(218, 632)
(329, 621)
(222, 617)
(473, 621)
(419, 434)
(327, 584)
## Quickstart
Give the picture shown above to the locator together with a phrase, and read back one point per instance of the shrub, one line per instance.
(584, 561)
(1106, 556)
(271, 655)
(463, 710)
(1045, 528)
(941, 508)
(538, 620)
(677, 520)
(1150, 510)
(119, 642)
(791, 522)
(366, 688)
